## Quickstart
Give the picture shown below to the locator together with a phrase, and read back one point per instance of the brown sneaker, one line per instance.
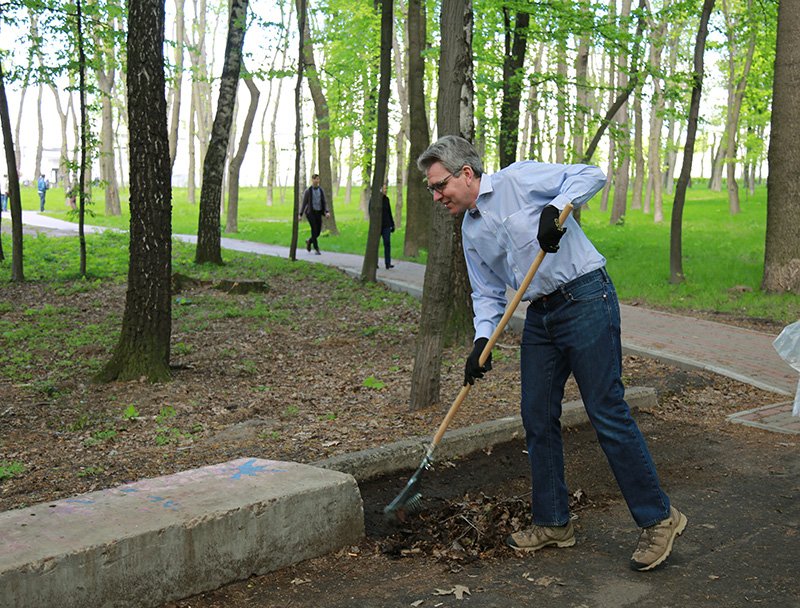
(537, 537)
(655, 542)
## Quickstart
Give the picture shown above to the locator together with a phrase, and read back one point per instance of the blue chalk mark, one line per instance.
(128, 490)
(165, 502)
(250, 470)
(81, 501)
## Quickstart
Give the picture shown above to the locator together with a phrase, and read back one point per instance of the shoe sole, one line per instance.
(678, 531)
(555, 543)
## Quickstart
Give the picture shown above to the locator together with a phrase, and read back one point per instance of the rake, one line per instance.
(409, 500)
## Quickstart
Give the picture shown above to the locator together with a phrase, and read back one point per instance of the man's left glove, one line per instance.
(550, 232)
(473, 368)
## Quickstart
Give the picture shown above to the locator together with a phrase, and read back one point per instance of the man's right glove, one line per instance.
(550, 232)
(473, 368)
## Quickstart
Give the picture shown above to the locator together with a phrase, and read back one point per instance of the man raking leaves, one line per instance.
(572, 326)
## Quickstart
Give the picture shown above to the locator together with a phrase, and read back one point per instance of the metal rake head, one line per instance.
(410, 498)
(407, 502)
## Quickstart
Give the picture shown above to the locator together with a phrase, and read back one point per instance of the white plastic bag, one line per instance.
(788, 346)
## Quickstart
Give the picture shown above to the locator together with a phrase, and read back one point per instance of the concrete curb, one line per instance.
(406, 455)
(166, 538)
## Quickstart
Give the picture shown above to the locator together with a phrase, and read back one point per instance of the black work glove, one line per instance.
(473, 368)
(550, 232)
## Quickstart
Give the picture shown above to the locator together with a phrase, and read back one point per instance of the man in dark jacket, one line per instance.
(387, 227)
(314, 207)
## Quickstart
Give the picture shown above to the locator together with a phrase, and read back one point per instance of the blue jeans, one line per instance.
(42, 194)
(577, 329)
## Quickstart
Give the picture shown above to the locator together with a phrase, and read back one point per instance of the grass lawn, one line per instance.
(723, 255)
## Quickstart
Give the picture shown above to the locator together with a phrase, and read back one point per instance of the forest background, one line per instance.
(612, 83)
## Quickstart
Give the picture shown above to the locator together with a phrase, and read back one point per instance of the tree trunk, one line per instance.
(446, 307)
(401, 167)
(381, 145)
(177, 84)
(623, 149)
(734, 110)
(232, 221)
(323, 129)
(516, 41)
(418, 200)
(15, 202)
(654, 187)
(143, 346)
(782, 249)
(299, 174)
(37, 170)
(208, 228)
(675, 241)
(581, 88)
(562, 98)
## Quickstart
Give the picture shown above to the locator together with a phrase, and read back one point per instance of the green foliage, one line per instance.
(167, 412)
(10, 468)
(99, 437)
(130, 412)
(91, 471)
(373, 383)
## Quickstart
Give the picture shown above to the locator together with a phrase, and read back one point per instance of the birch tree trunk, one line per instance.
(235, 166)
(208, 228)
(177, 83)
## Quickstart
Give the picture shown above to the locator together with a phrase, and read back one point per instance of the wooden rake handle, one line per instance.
(510, 310)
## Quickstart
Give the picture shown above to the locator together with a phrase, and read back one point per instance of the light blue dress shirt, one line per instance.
(500, 241)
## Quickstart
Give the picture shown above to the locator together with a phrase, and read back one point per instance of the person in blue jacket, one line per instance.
(572, 326)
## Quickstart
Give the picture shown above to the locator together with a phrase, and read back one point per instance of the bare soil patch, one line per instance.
(315, 367)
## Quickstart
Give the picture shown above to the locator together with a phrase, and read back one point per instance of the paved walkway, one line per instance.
(742, 354)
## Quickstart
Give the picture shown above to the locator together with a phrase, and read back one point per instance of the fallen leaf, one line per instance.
(546, 581)
(417, 603)
(299, 581)
(460, 590)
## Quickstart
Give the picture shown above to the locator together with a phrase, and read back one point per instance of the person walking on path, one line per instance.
(42, 188)
(572, 325)
(387, 227)
(314, 207)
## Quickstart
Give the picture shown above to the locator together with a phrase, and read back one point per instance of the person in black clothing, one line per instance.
(314, 207)
(387, 227)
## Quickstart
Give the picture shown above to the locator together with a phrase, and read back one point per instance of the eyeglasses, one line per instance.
(439, 186)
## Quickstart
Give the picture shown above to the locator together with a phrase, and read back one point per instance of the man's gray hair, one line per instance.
(453, 152)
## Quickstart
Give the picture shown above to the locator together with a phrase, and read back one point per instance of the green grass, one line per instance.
(722, 254)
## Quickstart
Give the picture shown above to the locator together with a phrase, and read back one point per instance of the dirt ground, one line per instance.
(738, 486)
(326, 370)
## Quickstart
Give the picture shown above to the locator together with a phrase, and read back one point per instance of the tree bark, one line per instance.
(675, 241)
(15, 202)
(446, 307)
(381, 145)
(782, 246)
(177, 84)
(208, 228)
(323, 122)
(734, 110)
(516, 42)
(235, 166)
(418, 200)
(143, 346)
